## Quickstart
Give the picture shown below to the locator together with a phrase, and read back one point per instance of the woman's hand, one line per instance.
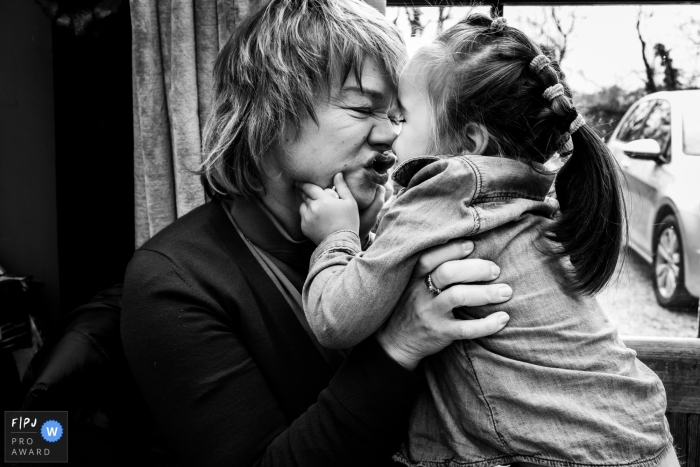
(423, 323)
(326, 211)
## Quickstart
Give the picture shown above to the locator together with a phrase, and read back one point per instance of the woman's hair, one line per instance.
(478, 72)
(280, 60)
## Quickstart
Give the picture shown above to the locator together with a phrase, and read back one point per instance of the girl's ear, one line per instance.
(478, 136)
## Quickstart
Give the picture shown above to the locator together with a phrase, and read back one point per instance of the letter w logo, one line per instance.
(52, 430)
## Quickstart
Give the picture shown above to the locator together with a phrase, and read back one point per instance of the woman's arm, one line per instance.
(212, 401)
(347, 295)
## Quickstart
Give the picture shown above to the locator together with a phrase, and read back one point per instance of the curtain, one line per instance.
(174, 45)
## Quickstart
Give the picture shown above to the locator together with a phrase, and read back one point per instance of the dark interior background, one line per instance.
(66, 154)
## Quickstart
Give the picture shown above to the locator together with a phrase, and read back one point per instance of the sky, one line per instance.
(603, 48)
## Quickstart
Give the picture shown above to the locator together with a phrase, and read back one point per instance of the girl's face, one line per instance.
(414, 139)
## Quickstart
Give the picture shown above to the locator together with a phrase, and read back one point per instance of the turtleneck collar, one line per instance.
(261, 227)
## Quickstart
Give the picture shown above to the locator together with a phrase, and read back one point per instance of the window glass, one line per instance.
(612, 56)
(691, 127)
(632, 127)
(420, 25)
(658, 124)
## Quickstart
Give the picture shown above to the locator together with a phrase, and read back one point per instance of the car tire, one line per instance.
(669, 277)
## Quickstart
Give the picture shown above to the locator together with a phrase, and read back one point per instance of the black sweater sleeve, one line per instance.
(213, 403)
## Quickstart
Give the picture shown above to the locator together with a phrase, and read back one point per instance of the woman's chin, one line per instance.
(363, 186)
(364, 196)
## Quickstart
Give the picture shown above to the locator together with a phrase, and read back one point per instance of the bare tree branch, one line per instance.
(443, 15)
(469, 11)
(650, 84)
(692, 30)
(553, 30)
(396, 20)
(563, 41)
(414, 20)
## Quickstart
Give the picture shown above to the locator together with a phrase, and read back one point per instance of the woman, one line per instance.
(212, 324)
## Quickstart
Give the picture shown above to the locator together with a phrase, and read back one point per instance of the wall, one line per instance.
(66, 154)
(94, 156)
(28, 233)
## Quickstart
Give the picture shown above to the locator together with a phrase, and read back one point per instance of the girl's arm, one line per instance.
(349, 294)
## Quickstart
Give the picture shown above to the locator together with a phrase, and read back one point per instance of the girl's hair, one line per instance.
(279, 62)
(478, 72)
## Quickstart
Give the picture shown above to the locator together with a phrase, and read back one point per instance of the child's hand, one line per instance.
(368, 216)
(326, 211)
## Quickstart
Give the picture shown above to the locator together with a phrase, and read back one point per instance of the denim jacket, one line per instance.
(441, 199)
(556, 386)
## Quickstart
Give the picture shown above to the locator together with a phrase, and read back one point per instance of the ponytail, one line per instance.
(591, 228)
(592, 225)
(527, 108)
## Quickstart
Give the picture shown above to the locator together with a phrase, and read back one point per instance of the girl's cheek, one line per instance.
(399, 149)
(409, 143)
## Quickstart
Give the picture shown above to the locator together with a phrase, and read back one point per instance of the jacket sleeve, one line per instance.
(347, 294)
(209, 397)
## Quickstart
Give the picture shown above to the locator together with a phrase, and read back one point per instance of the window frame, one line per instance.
(498, 6)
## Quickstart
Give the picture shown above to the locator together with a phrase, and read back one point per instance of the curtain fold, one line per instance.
(174, 46)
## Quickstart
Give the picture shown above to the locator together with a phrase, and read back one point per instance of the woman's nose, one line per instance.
(383, 134)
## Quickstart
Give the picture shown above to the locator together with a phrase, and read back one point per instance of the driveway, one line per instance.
(629, 302)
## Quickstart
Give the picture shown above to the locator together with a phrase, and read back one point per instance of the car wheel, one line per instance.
(669, 281)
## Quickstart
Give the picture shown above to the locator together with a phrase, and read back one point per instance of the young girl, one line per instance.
(557, 386)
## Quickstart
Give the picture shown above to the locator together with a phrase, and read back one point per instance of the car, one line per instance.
(657, 145)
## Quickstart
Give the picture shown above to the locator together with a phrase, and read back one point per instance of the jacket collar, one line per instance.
(407, 169)
(499, 177)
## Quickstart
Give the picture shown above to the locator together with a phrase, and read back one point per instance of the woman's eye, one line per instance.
(396, 120)
(363, 110)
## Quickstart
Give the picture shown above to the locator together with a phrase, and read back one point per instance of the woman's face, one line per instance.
(415, 136)
(354, 128)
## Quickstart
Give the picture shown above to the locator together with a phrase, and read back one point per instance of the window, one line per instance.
(631, 127)
(691, 127)
(658, 124)
(613, 54)
(420, 25)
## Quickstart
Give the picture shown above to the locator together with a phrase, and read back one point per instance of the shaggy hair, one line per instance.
(280, 61)
(475, 73)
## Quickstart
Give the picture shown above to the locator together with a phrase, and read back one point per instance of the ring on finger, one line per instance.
(431, 286)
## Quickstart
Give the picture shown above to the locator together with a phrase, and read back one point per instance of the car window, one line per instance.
(657, 126)
(691, 128)
(631, 128)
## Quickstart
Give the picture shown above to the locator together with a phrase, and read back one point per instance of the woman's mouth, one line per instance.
(378, 168)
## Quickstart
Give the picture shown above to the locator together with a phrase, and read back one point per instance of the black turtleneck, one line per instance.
(228, 371)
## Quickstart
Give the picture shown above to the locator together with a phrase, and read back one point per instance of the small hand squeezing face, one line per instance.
(329, 210)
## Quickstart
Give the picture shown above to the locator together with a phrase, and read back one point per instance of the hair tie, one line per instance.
(538, 63)
(498, 24)
(567, 147)
(553, 92)
(576, 124)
